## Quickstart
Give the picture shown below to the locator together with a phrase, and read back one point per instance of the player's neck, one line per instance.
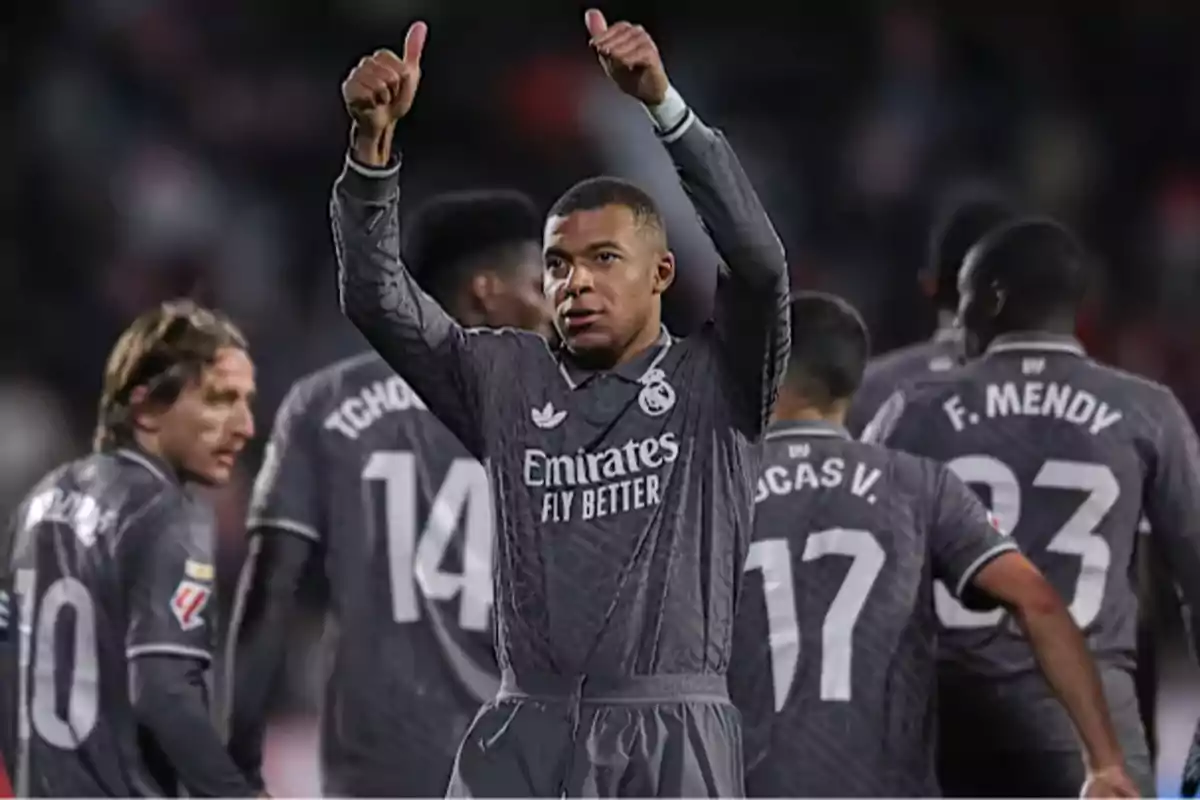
(945, 319)
(648, 337)
(150, 444)
(794, 409)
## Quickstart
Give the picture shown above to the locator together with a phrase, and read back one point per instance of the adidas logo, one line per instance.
(547, 417)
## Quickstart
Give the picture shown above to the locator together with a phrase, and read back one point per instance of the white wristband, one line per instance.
(670, 112)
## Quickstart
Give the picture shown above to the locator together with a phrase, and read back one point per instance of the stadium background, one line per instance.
(163, 147)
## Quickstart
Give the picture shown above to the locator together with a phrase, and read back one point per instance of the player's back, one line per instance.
(848, 538)
(1062, 450)
(403, 519)
(76, 554)
(890, 371)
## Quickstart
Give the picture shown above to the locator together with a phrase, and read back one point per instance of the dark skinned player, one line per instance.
(835, 667)
(1070, 455)
(623, 459)
(365, 493)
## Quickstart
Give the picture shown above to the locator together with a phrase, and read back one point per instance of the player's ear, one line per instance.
(143, 413)
(664, 272)
(999, 296)
(482, 291)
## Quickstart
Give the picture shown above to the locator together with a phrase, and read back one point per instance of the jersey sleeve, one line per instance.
(963, 538)
(867, 402)
(453, 369)
(884, 427)
(286, 493)
(1172, 501)
(171, 578)
(752, 305)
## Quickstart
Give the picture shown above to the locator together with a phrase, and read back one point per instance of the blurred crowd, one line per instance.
(167, 147)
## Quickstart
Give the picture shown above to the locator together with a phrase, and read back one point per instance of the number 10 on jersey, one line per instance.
(415, 551)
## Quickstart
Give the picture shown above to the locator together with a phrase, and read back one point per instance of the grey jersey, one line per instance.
(893, 370)
(1069, 454)
(623, 498)
(112, 559)
(834, 655)
(401, 516)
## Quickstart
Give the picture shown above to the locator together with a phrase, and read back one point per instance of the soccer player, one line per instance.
(623, 461)
(111, 572)
(361, 477)
(834, 651)
(963, 220)
(1069, 454)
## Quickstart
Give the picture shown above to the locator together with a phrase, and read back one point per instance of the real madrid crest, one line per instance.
(657, 397)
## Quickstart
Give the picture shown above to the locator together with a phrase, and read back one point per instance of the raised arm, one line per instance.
(751, 309)
(446, 364)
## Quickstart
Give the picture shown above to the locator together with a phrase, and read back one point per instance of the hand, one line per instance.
(630, 57)
(1107, 783)
(381, 89)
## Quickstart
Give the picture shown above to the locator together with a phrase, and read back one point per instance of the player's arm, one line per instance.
(985, 568)
(1172, 500)
(751, 311)
(169, 646)
(284, 524)
(750, 674)
(446, 364)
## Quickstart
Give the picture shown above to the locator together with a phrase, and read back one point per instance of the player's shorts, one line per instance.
(648, 736)
(1012, 738)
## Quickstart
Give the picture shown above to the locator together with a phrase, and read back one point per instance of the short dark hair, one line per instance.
(965, 216)
(454, 235)
(830, 348)
(594, 193)
(162, 350)
(1040, 265)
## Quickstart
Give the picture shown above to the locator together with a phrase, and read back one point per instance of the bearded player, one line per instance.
(111, 575)
(623, 460)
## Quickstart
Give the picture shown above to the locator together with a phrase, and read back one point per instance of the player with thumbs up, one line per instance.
(622, 459)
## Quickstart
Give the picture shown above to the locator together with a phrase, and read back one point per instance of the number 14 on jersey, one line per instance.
(416, 551)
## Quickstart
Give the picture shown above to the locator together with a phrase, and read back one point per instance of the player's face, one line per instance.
(519, 301)
(978, 304)
(604, 273)
(204, 430)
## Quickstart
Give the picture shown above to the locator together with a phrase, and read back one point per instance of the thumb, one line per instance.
(595, 21)
(414, 42)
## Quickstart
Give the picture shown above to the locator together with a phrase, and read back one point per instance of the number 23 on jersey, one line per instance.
(416, 550)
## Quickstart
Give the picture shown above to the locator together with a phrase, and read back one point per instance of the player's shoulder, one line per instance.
(113, 490)
(929, 357)
(917, 474)
(513, 342)
(322, 386)
(1138, 387)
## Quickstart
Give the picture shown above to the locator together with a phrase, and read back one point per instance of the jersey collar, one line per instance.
(152, 464)
(1035, 342)
(633, 371)
(806, 427)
